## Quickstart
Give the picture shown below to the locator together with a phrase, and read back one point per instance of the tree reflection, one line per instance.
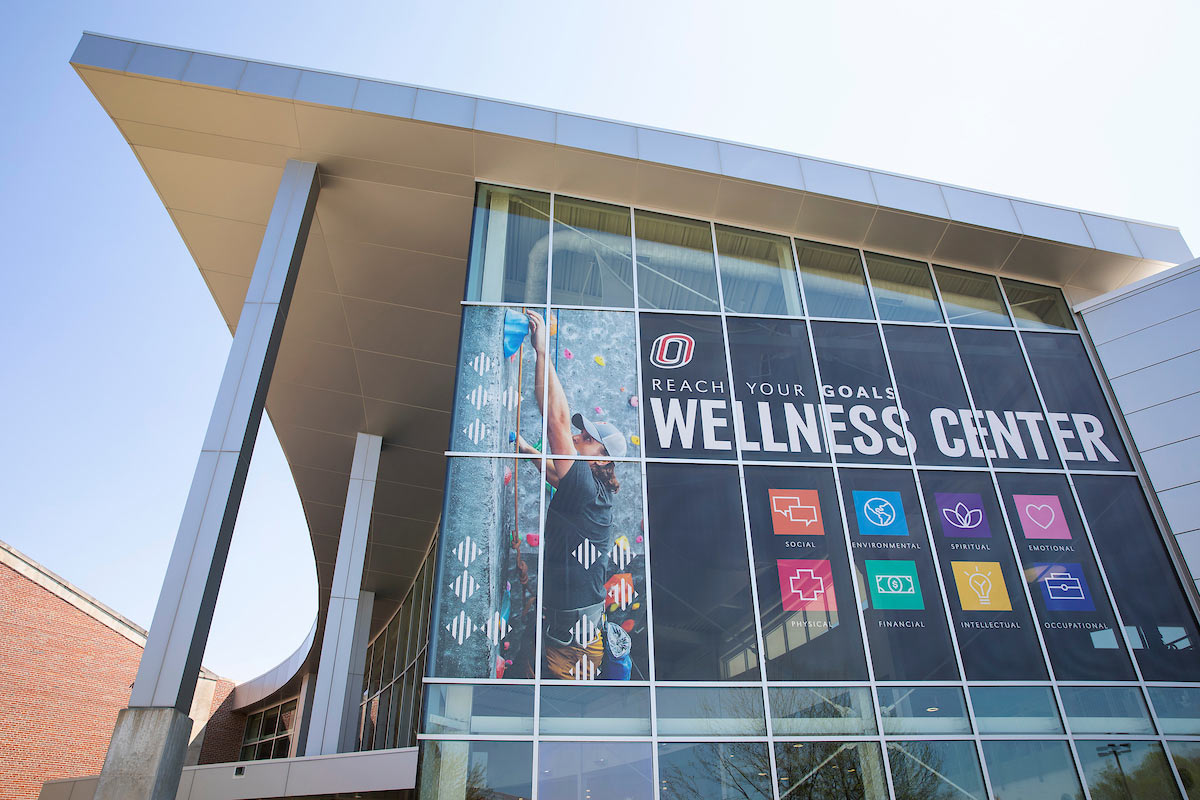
(1147, 778)
(919, 773)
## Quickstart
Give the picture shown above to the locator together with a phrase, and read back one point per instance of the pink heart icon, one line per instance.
(1040, 515)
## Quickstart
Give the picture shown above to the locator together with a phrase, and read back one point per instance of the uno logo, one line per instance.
(672, 350)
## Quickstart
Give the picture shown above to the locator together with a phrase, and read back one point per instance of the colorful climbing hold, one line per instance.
(599, 360)
(516, 328)
(553, 324)
(507, 475)
(506, 645)
(599, 410)
(612, 607)
(635, 440)
(627, 625)
(636, 606)
(512, 436)
(567, 353)
(633, 401)
(639, 539)
(508, 662)
(532, 539)
(622, 388)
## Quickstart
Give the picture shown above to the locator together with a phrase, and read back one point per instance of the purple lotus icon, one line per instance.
(962, 516)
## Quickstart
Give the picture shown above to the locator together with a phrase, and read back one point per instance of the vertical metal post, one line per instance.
(347, 622)
(147, 749)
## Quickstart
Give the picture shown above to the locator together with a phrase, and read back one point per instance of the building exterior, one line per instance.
(641, 465)
(66, 664)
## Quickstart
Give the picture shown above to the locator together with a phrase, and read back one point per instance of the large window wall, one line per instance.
(860, 526)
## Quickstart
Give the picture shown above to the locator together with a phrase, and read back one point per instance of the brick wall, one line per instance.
(63, 678)
(223, 733)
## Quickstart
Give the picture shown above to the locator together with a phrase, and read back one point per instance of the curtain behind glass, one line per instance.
(593, 259)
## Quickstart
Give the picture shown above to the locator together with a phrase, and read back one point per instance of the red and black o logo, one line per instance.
(672, 350)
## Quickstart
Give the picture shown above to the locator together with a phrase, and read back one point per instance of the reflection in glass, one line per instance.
(484, 622)
(714, 770)
(703, 612)
(1178, 709)
(834, 285)
(1105, 709)
(1037, 307)
(820, 770)
(925, 770)
(1186, 756)
(1015, 709)
(585, 710)
(1027, 769)
(510, 246)
(970, 298)
(903, 289)
(461, 770)
(595, 771)
(757, 273)
(487, 709)
(923, 709)
(675, 263)
(593, 258)
(826, 710)
(1125, 770)
(684, 711)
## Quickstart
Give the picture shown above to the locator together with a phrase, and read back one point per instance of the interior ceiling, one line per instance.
(370, 343)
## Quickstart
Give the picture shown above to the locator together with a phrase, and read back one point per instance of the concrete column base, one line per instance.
(145, 756)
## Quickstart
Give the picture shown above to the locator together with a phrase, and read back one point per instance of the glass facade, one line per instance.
(730, 514)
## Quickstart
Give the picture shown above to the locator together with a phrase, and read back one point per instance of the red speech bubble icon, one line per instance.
(796, 512)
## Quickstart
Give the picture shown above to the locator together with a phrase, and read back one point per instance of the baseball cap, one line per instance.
(604, 432)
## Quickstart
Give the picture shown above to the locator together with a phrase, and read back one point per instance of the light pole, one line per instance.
(1116, 751)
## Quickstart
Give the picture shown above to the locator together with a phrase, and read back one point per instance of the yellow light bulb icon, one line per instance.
(981, 584)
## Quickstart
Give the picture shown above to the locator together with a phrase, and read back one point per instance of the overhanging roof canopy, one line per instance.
(370, 343)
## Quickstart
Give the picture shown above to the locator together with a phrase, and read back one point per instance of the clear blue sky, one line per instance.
(113, 347)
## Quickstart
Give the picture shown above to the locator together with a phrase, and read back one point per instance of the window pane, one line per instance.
(970, 298)
(456, 770)
(685, 386)
(932, 393)
(280, 747)
(703, 612)
(757, 273)
(1078, 625)
(1011, 427)
(1032, 769)
(254, 728)
(596, 710)
(510, 246)
(388, 641)
(382, 721)
(593, 260)
(594, 354)
(842, 770)
(595, 770)
(936, 770)
(496, 391)
(1015, 709)
(865, 423)
(1159, 623)
(406, 644)
(780, 406)
(486, 709)
(810, 628)
(1178, 709)
(1187, 761)
(1037, 307)
(1105, 709)
(675, 262)
(905, 618)
(683, 711)
(287, 716)
(822, 711)
(1126, 770)
(270, 720)
(923, 709)
(485, 612)
(995, 630)
(716, 770)
(903, 289)
(1079, 418)
(594, 577)
(834, 285)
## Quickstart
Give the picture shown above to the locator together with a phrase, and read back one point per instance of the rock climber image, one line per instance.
(580, 513)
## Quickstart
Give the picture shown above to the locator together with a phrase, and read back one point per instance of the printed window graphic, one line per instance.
(981, 586)
(1064, 587)
(1041, 516)
(894, 585)
(796, 512)
(962, 516)
(806, 584)
(880, 514)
